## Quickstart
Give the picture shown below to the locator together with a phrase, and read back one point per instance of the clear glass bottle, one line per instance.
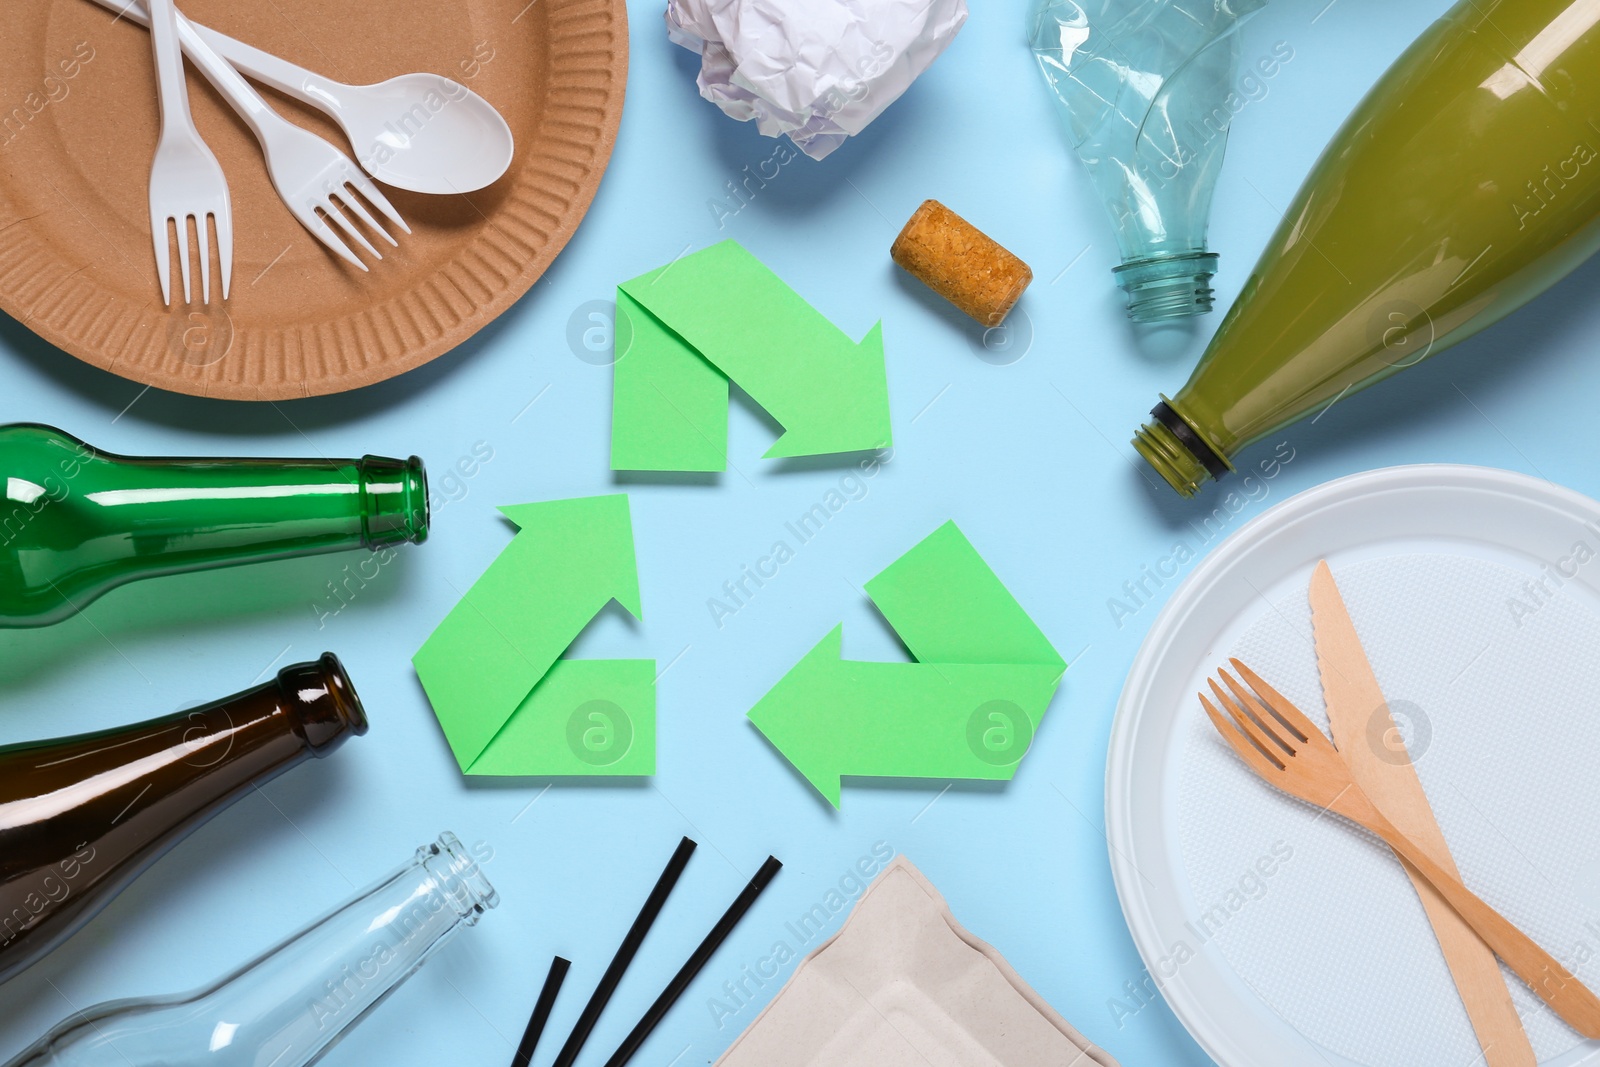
(76, 522)
(1146, 89)
(291, 1005)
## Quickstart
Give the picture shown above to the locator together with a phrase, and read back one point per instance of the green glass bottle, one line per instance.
(1463, 185)
(76, 522)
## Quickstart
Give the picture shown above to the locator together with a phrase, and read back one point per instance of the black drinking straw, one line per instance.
(541, 1012)
(697, 960)
(625, 953)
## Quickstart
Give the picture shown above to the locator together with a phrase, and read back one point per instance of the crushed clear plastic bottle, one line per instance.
(1146, 89)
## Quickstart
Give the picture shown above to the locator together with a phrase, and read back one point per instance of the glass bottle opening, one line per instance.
(394, 501)
(324, 702)
(459, 876)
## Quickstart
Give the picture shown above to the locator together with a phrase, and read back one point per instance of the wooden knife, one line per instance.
(1373, 748)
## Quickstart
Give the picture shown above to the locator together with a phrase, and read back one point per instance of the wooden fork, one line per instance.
(1286, 748)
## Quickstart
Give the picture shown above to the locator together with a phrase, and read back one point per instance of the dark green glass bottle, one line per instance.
(76, 522)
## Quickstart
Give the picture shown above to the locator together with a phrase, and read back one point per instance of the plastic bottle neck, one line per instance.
(1165, 287)
(1177, 451)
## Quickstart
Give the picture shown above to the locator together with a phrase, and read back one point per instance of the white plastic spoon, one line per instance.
(422, 132)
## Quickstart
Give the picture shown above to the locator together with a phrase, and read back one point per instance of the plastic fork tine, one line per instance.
(183, 254)
(1240, 744)
(330, 207)
(324, 233)
(352, 203)
(367, 189)
(1269, 743)
(163, 260)
(225, 251)
(1291, 715)
(306, 170)
(203, 239)
(186, 182)
(1252, 708)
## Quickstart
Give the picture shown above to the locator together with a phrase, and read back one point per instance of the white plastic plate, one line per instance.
(1498, 517)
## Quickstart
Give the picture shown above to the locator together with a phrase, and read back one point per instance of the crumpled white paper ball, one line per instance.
(817, 70)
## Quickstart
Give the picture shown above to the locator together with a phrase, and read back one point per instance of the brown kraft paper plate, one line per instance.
(78, 127)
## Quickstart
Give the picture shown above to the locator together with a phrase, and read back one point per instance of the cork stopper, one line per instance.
(961, 263)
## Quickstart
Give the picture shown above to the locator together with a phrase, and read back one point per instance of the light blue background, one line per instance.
(1029, 458)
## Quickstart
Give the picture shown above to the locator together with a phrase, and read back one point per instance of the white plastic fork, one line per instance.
(186, 181)
(418, 131)
(313, 178)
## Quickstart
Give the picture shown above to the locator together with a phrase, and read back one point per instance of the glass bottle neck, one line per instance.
(182, 513)
(288, 1006)
(76, 522)
(294, 1002)
(83, 816)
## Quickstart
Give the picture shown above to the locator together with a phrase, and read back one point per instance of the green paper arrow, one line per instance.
(508, 704)
(969, 706)
(686, 329)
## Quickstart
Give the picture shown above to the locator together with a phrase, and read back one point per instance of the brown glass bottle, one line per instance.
(81, 817)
